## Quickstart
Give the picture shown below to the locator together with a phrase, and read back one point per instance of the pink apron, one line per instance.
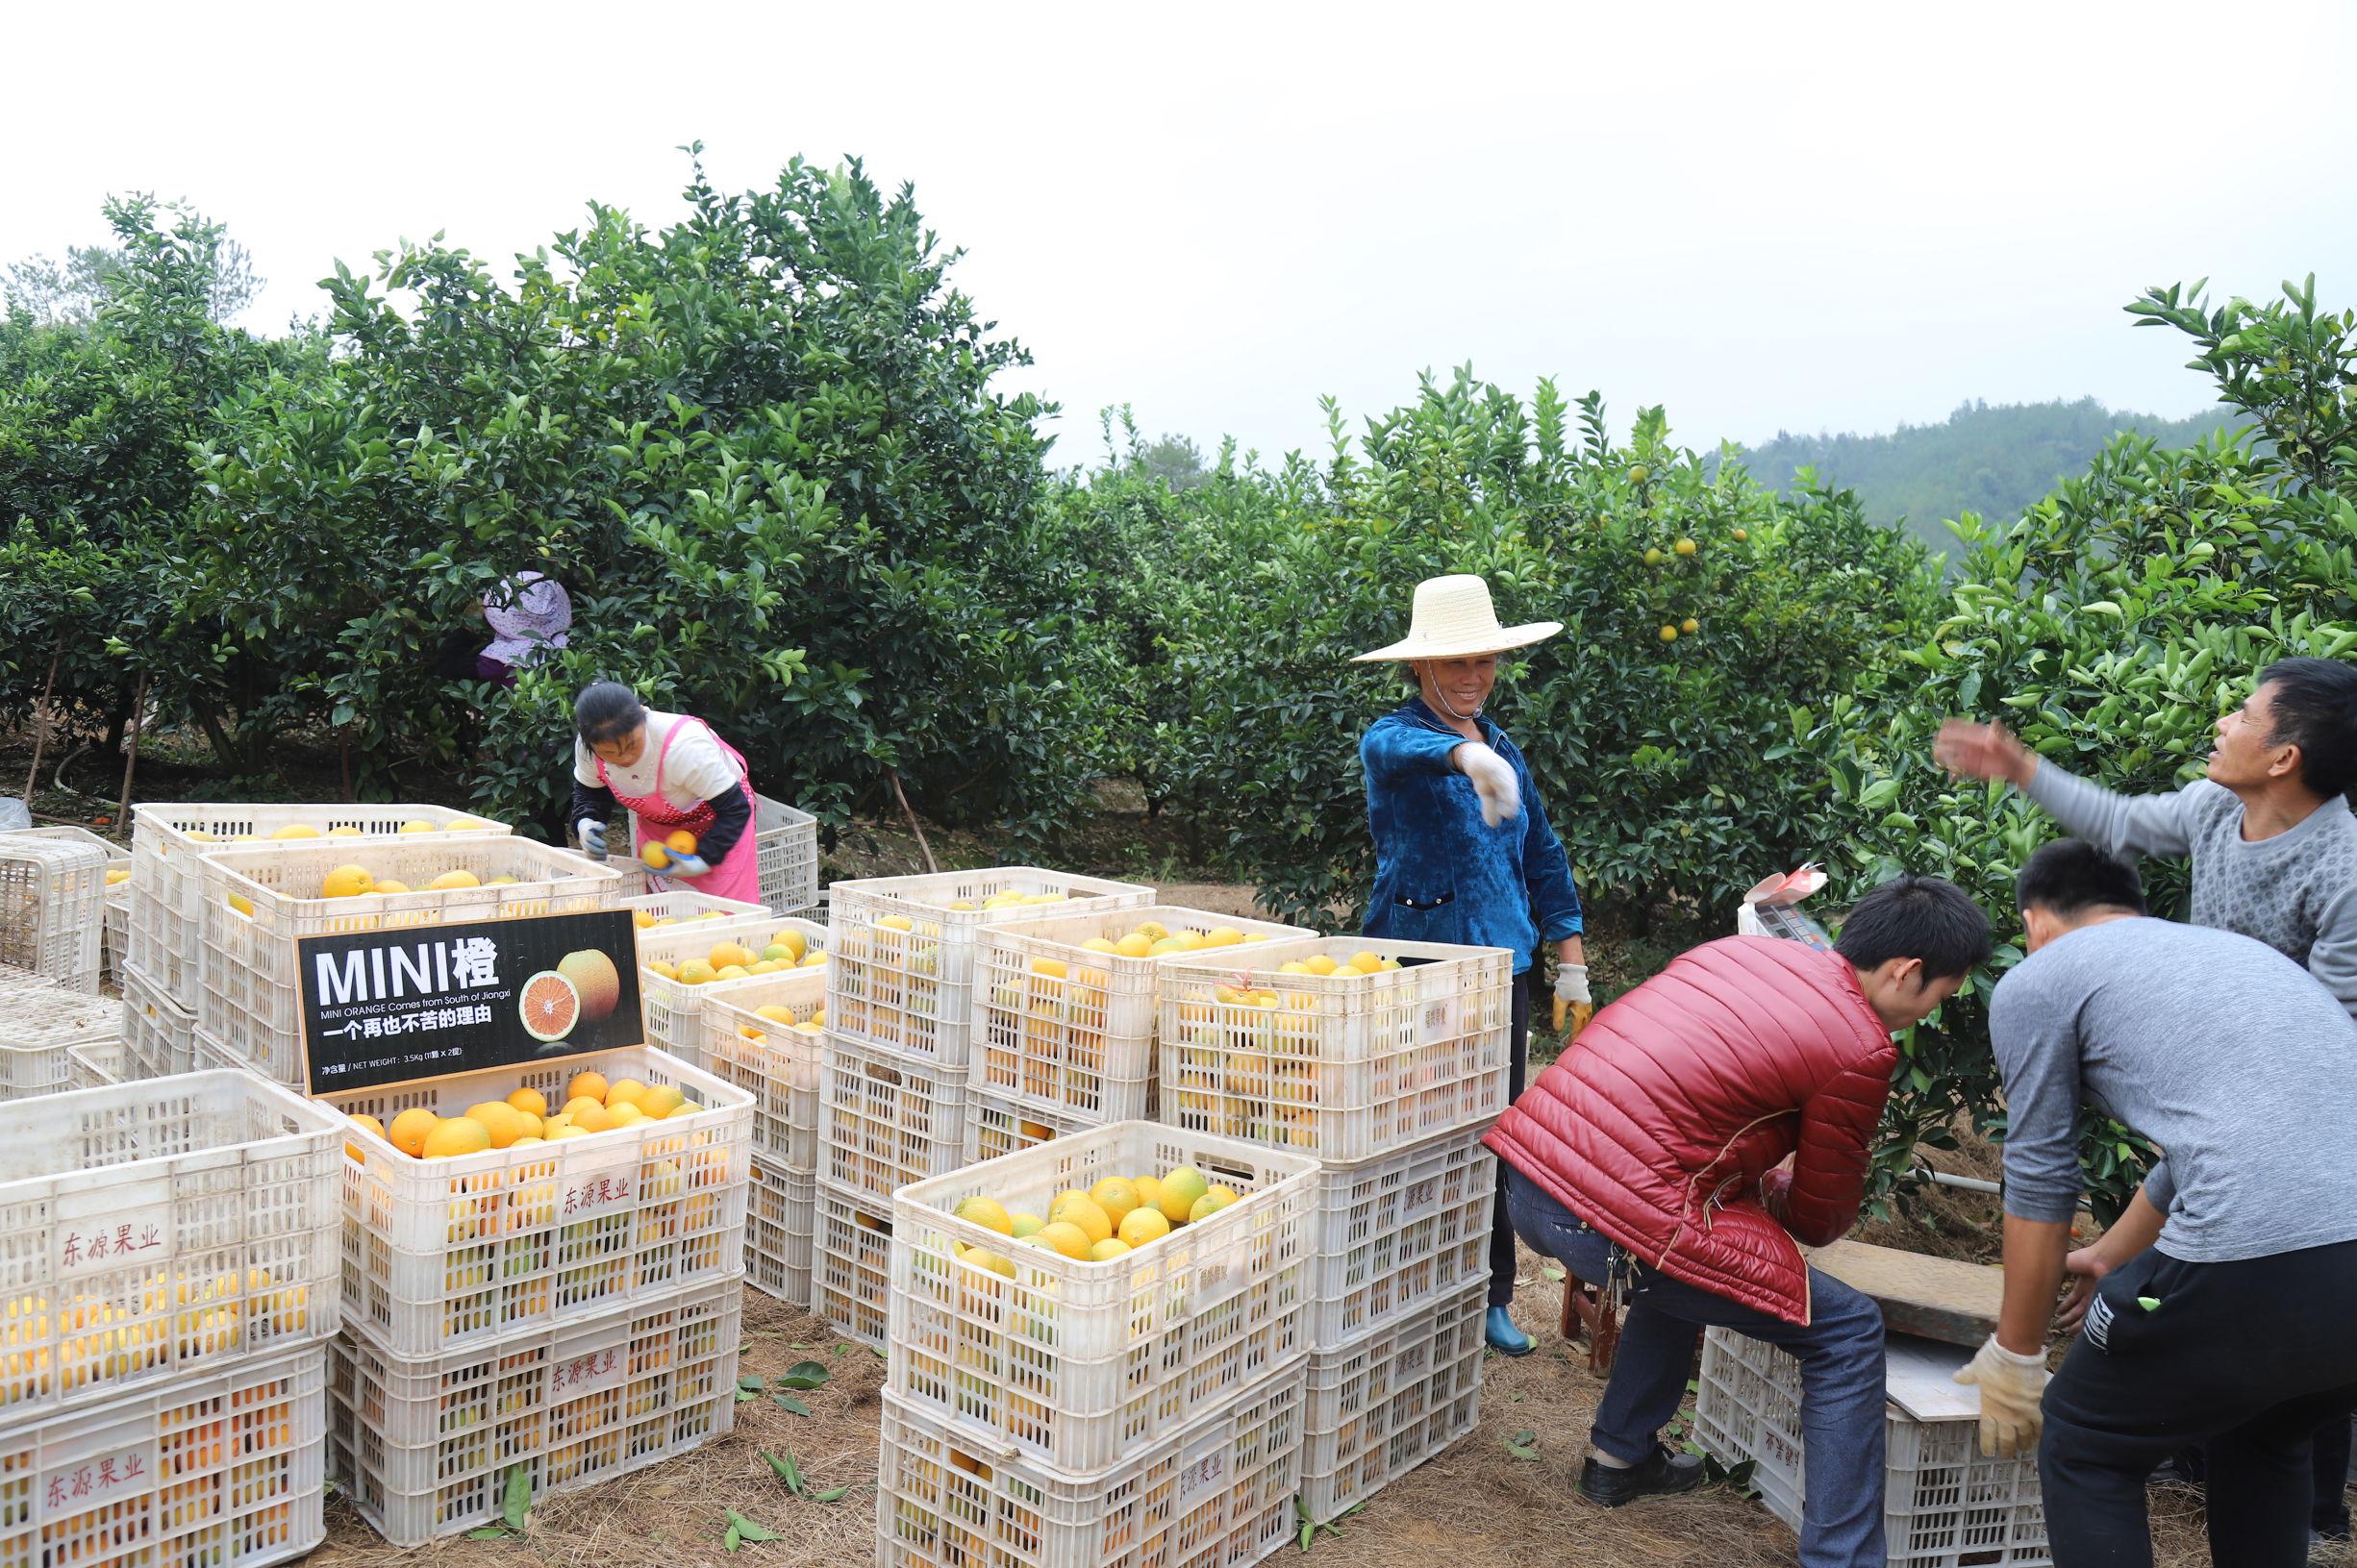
(652, 817)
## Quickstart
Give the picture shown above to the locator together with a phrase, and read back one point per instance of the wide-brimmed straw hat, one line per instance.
(1454, 619)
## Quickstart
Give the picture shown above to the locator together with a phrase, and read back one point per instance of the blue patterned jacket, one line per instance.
(1442, 873)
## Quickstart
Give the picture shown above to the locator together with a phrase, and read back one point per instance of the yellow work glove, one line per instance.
(2011, 1385)
(1572, 1000)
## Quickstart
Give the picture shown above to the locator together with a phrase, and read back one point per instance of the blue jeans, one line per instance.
(1842, 1377)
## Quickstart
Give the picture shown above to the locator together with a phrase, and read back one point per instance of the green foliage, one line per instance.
(2109, 627)
(1242, 600)
(759, 448)
(1992, 461)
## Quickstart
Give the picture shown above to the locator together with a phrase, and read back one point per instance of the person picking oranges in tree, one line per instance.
(675, 777)
(1464, 853)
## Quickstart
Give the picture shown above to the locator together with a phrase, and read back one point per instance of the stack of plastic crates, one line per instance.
(1944, 1504)
(1387, 1061)
(170, 1286)
(892, 1074)
(259, 903)
(53, 897)
(1046, 1410)
(1066, 1010)
(167, 840)
(554, 1313)
(764, 1036)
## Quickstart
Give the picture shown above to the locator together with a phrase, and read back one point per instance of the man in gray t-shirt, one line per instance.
(2217, 1307)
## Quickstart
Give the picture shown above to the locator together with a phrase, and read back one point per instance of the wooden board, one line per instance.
(1932, 1298)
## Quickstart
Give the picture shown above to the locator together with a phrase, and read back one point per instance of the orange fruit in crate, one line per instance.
(391, 884)
(623, 1091)
(456, 1136)
(643, 919)
(1081, 1210)
(695, 972)
(418, 825)
(593, 1118)
(627, 1113)
(725, 954)
(408, 1130)
(450, 880)
(296, 829)
(585, 1086)
(1181, 1185)
(1117, 1198)
(346, 882)
(371, 1123)
(661, 1100)
(665, 968)
(1143, 1224)
(501, 1120)
(531, 1101)
(1064, 1236)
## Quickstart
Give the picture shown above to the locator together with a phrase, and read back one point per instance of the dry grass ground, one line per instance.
(1475, 1506)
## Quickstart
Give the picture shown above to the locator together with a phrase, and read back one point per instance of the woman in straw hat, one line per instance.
(1463, 850)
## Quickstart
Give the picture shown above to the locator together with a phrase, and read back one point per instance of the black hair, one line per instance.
(2315, 704)
(606, 710)
(1917, 918)
(2070, 876)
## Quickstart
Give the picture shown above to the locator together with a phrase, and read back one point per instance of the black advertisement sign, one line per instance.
(383, 1006)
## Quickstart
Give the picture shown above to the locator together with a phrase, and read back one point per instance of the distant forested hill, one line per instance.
(1991, 460)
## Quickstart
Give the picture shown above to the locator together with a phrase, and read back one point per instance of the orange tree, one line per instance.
(1701, 609)
(2109, 627)
(760, 447)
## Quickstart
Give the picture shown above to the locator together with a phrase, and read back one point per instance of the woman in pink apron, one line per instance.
(670, 771)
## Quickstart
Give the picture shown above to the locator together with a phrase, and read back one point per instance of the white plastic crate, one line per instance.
(780, 1223)
(673, 1007)
(158, 1231)
(1387, 1401)
(423, 1446)
(1070, 1030)
(631, 870)
(904, 949)
(885, 1121)
(96, 1065)
(996, 1127)
(678, 907)
(159, 1036)
(1079, 1363)
(1944, 1504)
(1398, 1232)
(252, 995)
(40, 1022)
(53, 894)
(168, 838)
(1346, 1069)
(226, 1469)
(440, 1254)
(851, 1266)
(1213, 1492)
(776, 1064)
(785, 856)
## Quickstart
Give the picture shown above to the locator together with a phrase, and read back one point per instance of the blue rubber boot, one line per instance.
(1504, 1337)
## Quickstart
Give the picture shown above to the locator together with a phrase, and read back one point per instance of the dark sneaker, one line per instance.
(1660, 1476)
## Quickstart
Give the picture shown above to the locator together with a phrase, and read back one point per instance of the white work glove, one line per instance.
(593, 836)
(1492, 779)
(2011, 1386)
(1573, 1002)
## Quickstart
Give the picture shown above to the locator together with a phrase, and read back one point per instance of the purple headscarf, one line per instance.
(528, 614)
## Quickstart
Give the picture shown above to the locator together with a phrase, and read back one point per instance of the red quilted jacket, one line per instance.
(1656, 1124)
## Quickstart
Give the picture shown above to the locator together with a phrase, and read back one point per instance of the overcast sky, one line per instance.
(1793, 215)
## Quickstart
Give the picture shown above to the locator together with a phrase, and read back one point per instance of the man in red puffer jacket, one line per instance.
(1654, 1152)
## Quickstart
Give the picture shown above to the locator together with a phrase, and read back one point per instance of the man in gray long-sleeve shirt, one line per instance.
(2217, 1307)
(2275, 850)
